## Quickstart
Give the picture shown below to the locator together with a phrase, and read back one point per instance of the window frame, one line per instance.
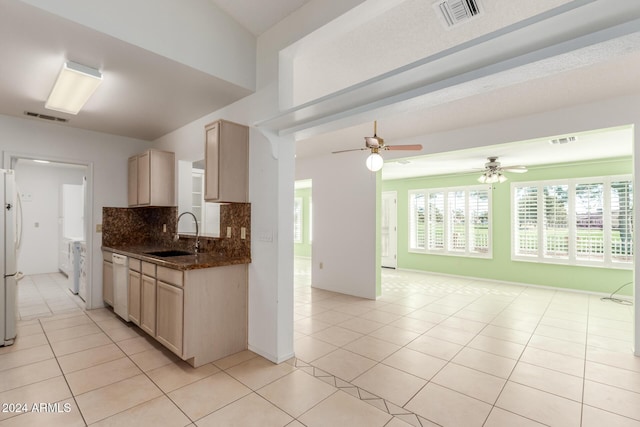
(446, 238)
(572, 258)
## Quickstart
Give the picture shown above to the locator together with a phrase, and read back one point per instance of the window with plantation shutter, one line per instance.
(589, 199)
(454, 221)
(586, 221)
(525, 232)
(457, 221)
(622, 221)
(436, 221)
(479, 222)
(416, 220)
(556, 221)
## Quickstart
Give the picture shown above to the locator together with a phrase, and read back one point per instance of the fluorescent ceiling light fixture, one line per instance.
(41, 161)
(75, 84)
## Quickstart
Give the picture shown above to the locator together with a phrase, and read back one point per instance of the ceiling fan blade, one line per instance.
(403, 147)
(515, 169)
(345, 151)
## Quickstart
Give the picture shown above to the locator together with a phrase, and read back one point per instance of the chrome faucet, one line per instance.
(176, 237)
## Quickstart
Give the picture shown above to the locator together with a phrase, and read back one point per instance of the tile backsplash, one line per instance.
(143, 226)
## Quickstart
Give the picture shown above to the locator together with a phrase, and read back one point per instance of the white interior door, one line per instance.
(389, 231)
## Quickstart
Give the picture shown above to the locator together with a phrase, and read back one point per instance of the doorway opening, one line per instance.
(389, 230)
(56, 242)
(303, 231)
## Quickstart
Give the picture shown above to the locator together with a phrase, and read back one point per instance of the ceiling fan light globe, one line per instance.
(482, 179)
(501, 178)
(374, 162)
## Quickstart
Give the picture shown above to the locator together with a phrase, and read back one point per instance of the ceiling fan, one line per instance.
(375, 144)
(493, 171)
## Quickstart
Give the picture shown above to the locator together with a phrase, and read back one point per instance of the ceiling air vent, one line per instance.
(454, 12)
(45, 117)
(566, 140)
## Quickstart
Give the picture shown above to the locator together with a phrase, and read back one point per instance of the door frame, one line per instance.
(9, 160)
(390, 261)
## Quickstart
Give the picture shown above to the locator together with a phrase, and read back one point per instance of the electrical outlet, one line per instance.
(164, 228)
(243, 233)
(98, 228)
(228, 232)
(321, 265)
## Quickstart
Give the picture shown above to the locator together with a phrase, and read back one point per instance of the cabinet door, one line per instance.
(148, 305)
(226, 162)
(212, 160)
(134, 296)
(132, 184)
(162, 176)
(144, 178)
(233, 175)
(107, 282)
(170, 320)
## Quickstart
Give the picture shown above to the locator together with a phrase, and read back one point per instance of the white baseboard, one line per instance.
(270, 356)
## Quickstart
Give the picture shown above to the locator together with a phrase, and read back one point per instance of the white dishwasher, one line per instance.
(121, 285)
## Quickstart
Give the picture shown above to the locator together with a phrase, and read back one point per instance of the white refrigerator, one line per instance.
(8, 266)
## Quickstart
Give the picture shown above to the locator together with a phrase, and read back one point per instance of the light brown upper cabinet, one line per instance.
(152, 179)
(226, 162)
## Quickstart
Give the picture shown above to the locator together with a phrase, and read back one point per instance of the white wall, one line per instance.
(605, 113)
(41, 211)
(206, 38)
(309, 17)
(270, 281)
(610, 112)
(106, 154)
(344, 223)
(271, 177)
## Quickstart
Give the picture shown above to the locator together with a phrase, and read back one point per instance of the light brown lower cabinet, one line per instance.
(135, 288)
(199, 314)
(148, 305)
(107, 282)
(170, 322)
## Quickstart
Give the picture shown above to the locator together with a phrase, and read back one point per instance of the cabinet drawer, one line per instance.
(171, 276)
(106, 256)
(148, 269)
(134, 264)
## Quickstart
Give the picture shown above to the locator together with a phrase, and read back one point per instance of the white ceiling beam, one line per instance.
(574, 35)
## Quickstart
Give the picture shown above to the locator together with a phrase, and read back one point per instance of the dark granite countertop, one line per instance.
(181, 262)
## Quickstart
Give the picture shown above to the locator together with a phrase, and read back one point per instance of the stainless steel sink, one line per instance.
(169, 253)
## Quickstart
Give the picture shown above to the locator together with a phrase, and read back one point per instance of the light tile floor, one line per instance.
(45, 295)
(433, 350)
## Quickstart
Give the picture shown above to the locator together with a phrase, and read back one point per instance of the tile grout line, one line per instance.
(141, 370)
(584, 366)
(84, 313)
(493, 406)
(62, 372)
(385, 402)
(455, 291)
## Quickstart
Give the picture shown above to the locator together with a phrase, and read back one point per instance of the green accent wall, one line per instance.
(304, 249)
(501, 267)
